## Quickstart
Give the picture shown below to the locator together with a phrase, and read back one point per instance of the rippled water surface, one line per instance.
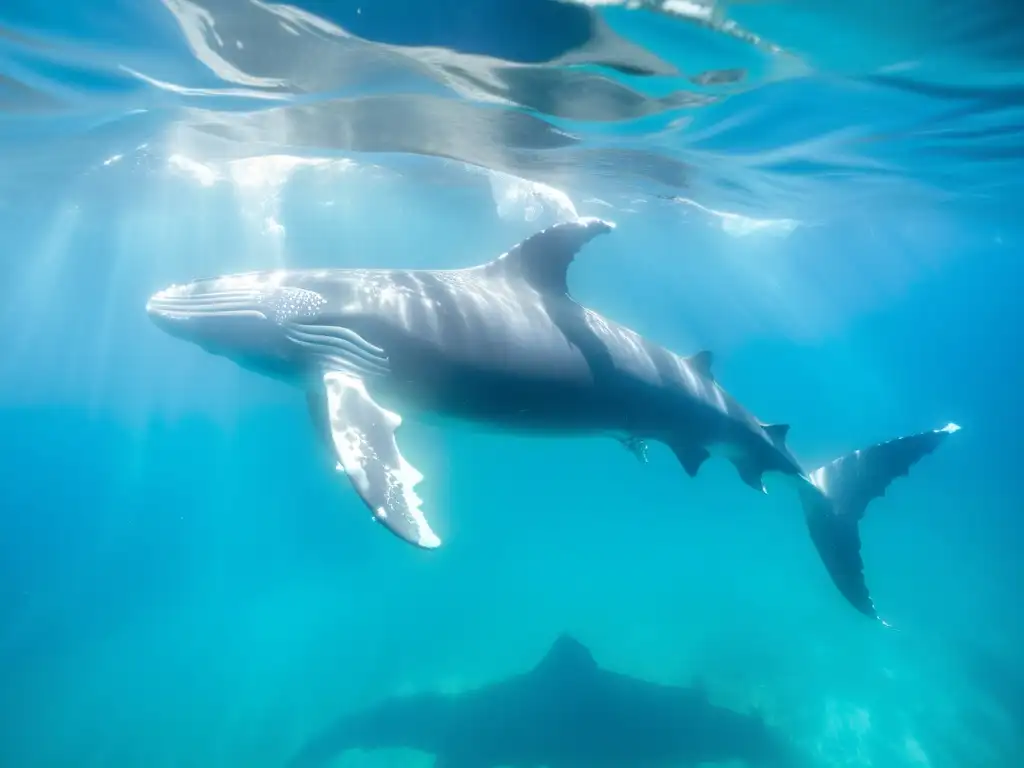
(792, 109)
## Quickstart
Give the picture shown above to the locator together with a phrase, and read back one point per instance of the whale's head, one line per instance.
(249, 318)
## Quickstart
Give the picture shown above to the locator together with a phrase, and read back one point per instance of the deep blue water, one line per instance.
(828, 197)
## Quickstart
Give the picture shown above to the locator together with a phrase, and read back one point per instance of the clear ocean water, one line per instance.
(826, 195)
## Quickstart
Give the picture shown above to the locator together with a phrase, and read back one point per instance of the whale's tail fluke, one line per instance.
(838, 494)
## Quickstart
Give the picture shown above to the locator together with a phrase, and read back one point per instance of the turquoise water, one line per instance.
(826, 198)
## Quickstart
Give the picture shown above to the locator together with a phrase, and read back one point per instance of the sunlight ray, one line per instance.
(41, 274)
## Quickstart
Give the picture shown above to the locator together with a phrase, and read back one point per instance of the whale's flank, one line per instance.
(565, 712)
(503, 344)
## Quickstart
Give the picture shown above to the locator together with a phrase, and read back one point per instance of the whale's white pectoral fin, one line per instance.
(363, 435)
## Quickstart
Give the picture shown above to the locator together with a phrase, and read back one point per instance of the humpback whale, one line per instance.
(503, 344)
(567, 712)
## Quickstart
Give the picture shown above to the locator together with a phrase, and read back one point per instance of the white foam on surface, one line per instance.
(738, 225)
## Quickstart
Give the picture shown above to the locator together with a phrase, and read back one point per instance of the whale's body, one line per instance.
(566, 712)
(505, 346)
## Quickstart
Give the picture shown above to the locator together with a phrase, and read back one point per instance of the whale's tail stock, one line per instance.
(838, 494)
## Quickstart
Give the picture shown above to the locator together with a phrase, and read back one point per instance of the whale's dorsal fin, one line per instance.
(543, 259)
(567, 658)
(701, 363)
(776, 433)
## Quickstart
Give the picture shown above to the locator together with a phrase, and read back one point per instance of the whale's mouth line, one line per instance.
(171, 314)
(173, 304)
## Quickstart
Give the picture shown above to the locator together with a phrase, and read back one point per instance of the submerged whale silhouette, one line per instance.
(566, 712)
(504, 345)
